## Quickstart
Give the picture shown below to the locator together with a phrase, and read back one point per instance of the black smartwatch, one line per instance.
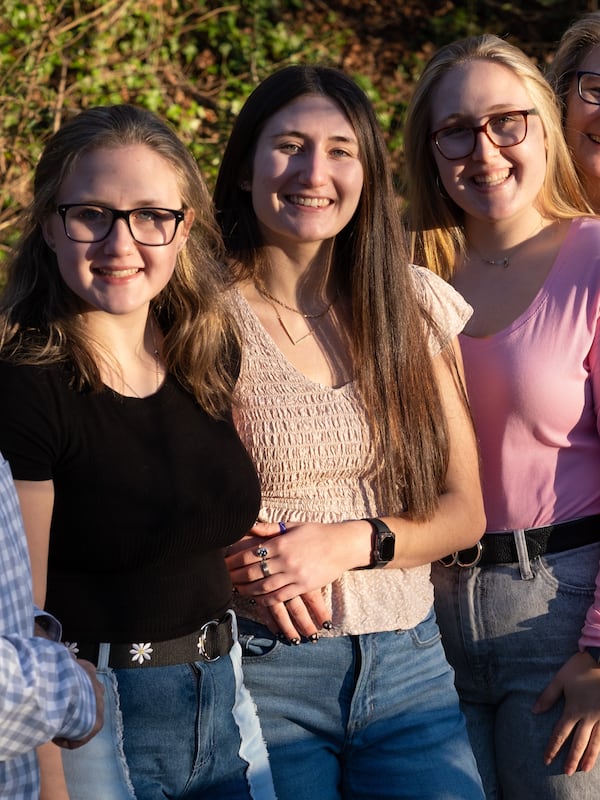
(383, 544)
(594, 652)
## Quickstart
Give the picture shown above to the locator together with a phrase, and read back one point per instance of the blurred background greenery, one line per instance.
(194, 62)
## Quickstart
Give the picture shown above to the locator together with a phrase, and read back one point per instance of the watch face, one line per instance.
(387, 546)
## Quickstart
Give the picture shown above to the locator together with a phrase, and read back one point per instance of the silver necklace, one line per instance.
(156, 355)
(504, 262)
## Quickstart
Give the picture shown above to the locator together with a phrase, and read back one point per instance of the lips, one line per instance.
(594, 138)
(117, 273)
(492, 179)
(311, 202)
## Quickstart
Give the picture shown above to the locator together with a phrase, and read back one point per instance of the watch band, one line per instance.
(383, 543)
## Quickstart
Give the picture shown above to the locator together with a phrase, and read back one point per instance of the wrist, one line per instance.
(383, 543)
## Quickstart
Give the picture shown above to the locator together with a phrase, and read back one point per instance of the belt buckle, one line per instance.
(454, 558)
(212, 623)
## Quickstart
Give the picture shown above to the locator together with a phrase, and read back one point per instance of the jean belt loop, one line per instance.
(523, 555)
(103, 655)
(234, 624)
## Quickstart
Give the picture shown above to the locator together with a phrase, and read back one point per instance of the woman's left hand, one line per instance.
(579, 681)
(272, 567)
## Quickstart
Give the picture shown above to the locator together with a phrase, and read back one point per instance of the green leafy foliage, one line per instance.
(195, 61)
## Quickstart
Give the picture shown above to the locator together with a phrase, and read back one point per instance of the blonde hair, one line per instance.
(576, 42)
(41, 317)
(435, 222)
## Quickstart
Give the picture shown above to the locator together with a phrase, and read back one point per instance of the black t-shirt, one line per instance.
(147, 492)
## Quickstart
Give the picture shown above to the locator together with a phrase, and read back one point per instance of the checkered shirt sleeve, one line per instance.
(43, 693)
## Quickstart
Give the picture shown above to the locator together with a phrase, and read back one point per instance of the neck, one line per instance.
(128, 354)
(498, 244)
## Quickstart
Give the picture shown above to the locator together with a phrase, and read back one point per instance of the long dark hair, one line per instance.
(389, 329)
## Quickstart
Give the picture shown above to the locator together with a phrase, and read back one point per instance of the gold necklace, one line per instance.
(262, 291)
(311, 328)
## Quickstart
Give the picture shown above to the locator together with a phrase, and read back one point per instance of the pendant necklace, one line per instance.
(504, 262)
(311, 326)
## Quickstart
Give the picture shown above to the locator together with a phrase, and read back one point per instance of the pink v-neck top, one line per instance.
(534, 389)
(315, 459)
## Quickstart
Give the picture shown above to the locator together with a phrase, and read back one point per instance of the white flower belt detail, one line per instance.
(141, 652)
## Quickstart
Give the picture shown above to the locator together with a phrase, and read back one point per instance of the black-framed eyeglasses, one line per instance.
(503, 130)
(88, 223)
(588, 87)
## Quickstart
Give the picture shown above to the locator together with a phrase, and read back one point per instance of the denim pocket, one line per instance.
(572, 571)
(426, 633)
(256, 640)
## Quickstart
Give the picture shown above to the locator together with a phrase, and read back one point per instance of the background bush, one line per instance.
(194, 62)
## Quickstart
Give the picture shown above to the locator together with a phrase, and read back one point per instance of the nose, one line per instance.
(314, 171)
(119, 240)
(483, 146)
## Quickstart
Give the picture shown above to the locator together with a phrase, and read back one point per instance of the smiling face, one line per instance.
(492, 183)
(117, 275)
(582, 129)
(307, 176)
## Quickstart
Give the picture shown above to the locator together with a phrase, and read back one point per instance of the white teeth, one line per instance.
(118, 273)
(314, 202)
(490, 180)
(594, 138)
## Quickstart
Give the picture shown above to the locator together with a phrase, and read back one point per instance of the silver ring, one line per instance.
(265, 569)
(262, 551)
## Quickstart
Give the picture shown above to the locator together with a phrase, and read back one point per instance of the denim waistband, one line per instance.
(501, 548)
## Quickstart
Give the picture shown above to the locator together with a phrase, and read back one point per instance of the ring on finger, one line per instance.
(265, 568)
(262, 551)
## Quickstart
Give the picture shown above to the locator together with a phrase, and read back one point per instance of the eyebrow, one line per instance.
(301, 135)
(500, 108)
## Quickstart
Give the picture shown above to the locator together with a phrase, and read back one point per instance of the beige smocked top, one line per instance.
(311, 446)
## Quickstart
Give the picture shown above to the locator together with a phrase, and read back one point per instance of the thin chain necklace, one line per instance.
(505, 260)
(311, 326)
(262, 290)
(156, 355)
(310, 331)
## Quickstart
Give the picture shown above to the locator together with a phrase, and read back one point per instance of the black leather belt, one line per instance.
(213, 640)
(500, 548)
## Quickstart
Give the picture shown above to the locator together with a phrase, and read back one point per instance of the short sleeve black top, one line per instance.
(147, 492)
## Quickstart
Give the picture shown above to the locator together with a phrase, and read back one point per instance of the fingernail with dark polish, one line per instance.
(327, 625)
(295, 641)
(313, 638)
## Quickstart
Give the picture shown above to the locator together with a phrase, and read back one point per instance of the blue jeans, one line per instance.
(186, 731)
(507, 630)
(369, 716)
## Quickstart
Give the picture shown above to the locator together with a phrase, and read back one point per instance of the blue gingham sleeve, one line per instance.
(43, 692)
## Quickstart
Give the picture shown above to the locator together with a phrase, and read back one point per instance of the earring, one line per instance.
(440, 188)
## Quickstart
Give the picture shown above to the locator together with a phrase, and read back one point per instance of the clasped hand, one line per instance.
(299, 563)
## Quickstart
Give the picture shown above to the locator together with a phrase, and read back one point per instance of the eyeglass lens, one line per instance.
(151, 226)
(589, 87)
(503, 130)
